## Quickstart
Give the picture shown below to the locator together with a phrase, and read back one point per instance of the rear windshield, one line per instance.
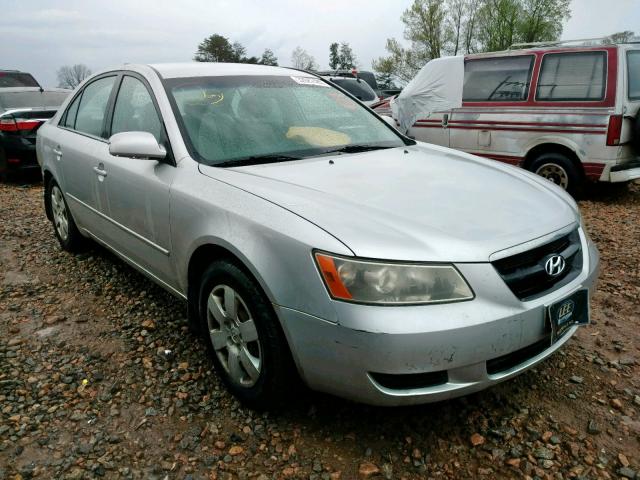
(359, 89)
(34, 99)
(17, 79)
(633, 71)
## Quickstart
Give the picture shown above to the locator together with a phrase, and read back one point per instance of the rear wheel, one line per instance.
(559, 169)
(64, 227)
(244, 338)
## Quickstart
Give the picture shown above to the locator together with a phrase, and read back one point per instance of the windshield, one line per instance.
(17, 79)
(229, 119)
(359, 89)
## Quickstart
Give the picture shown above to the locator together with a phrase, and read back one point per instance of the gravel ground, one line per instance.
(100, 377)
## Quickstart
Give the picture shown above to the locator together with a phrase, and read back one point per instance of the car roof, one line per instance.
(211, 69)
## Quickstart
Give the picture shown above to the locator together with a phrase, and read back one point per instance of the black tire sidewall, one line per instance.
(268, 390)
(575, 176)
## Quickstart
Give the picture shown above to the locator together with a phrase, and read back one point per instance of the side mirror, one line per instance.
(389, 120)
(141, 145)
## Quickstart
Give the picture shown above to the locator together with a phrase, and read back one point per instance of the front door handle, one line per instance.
(445, 120)
(100, 170)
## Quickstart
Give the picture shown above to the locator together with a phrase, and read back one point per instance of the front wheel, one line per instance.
(244, 338)
(559, 169)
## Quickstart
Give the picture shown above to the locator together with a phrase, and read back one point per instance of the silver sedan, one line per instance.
(310, 240)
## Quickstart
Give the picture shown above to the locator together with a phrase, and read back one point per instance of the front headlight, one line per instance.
(367, 281)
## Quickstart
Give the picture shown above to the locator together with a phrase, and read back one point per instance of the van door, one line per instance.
(495, 91)
(434, 129)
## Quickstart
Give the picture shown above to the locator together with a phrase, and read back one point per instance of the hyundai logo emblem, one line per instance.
(554, 265)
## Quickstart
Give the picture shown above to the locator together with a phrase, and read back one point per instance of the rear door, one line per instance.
(137, 190)
(80, 142)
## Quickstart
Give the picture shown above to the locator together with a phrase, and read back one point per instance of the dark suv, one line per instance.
(24, 106)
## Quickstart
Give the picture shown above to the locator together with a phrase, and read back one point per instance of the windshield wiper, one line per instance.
(356, 148)
(257, 160)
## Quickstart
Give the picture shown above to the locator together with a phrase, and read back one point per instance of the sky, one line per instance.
(39, 36)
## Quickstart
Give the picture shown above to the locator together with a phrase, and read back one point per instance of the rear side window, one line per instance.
(633, 72)
(134, 110)
(502, 79)
(93, 106)
(72, 111)
(576, 76)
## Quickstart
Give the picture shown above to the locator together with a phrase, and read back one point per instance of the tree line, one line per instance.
(434, 28)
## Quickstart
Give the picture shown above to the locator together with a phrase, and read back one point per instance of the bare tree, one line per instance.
(72, 76)
(301, 59)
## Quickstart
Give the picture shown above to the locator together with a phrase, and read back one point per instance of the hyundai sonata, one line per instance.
(310, 239)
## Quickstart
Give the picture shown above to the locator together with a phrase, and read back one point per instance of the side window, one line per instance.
(633, 72)
(134, 110)
(93, 106)
(72, 111)
(502, 79)
(572, 76)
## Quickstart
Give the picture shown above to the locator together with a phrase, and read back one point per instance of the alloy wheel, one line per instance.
(59, 210)
(234, 335)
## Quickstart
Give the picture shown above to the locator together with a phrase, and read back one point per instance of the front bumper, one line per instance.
(379, 355)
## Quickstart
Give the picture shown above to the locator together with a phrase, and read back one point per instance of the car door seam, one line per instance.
(162, 250)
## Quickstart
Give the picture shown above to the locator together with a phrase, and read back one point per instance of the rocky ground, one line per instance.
(100, 377)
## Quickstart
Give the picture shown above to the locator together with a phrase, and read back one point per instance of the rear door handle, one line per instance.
(57, 152)
(100, 171)
(445, 120)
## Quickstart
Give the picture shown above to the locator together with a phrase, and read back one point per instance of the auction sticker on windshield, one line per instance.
(309, 81)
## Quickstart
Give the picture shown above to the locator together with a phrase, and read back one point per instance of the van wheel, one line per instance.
(246, 344)
(64, 227)
(636, 132)
(560, 170)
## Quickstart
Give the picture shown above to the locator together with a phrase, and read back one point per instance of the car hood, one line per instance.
(419, 203)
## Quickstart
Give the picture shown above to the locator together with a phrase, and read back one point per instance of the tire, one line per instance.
(559, 169)
(635, 134)
(253, 360)
(64, 227)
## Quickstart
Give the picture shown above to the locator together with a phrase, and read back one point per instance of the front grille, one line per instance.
(525, 275)
(513, 359)
(409, 381)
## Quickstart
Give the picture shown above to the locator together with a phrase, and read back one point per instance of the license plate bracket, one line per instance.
(565, 313)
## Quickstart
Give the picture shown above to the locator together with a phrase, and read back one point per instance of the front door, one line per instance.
(137, 190)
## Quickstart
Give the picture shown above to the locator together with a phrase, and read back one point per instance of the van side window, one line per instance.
(501, 79)
(633, 72)
(575, 76)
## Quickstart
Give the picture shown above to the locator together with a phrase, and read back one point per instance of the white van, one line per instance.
(568, 113)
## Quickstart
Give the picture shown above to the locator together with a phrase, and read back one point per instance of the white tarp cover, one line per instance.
(436, 87)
